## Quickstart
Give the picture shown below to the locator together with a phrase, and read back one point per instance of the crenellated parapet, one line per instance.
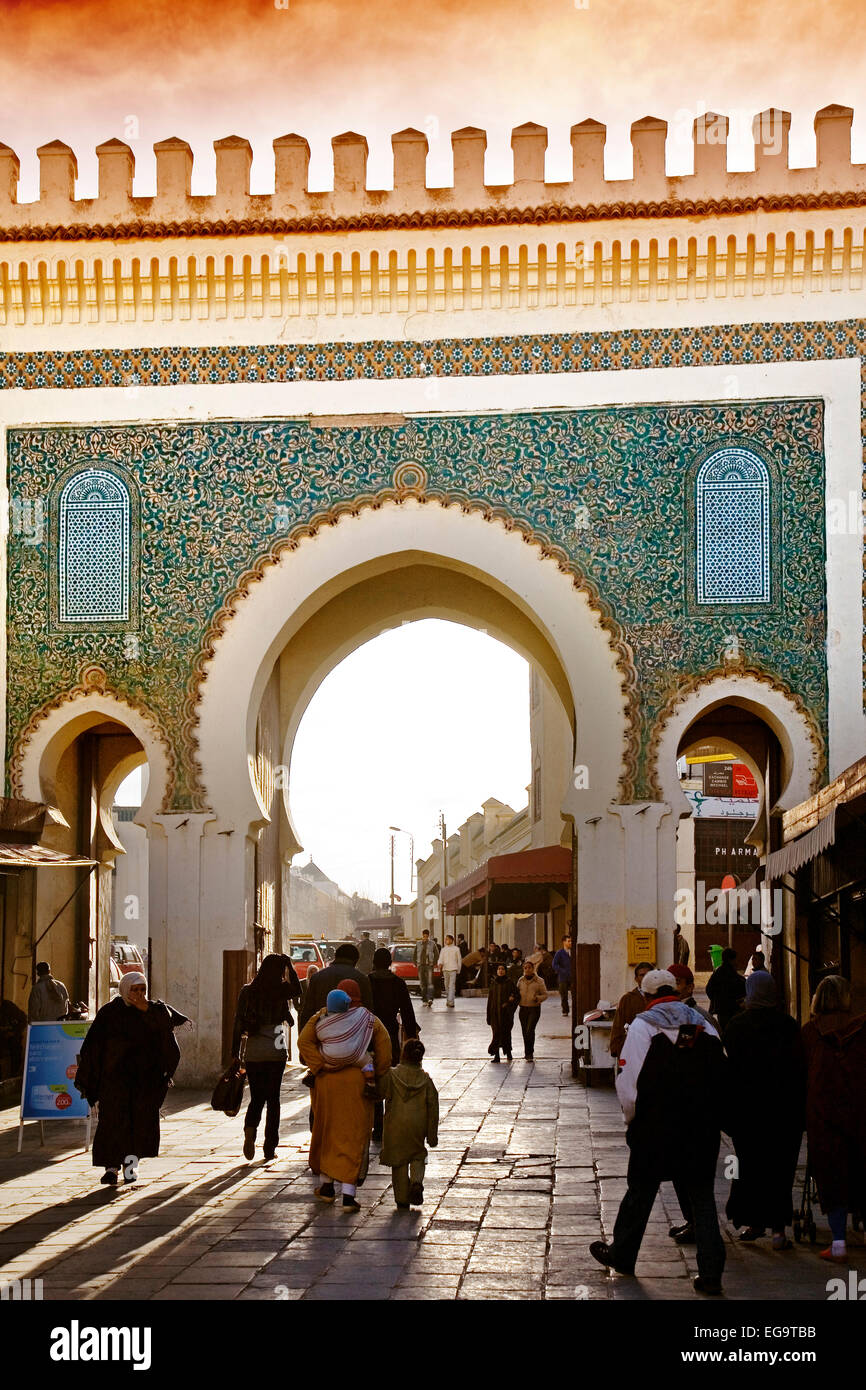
(711, 190)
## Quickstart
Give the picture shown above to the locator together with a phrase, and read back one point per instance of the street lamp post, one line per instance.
(400, 831)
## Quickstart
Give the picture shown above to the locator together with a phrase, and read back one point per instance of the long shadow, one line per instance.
(34, 1228)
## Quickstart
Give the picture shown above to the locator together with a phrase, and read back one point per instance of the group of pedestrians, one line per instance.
(507, 996)
(748, 1070)
(358, 1038)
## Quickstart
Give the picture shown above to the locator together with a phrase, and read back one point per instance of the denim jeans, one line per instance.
(265, 1079)
(425, 980)
(529, 1014)
(634, 1213)
(450, 977)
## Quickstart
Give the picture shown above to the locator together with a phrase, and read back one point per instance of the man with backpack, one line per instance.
(672, 1088)
(49, 1000)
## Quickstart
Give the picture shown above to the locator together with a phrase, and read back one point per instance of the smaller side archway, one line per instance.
(801, 745)
(718, 839)
(73, 757)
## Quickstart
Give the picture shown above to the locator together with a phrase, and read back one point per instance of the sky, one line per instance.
(141, 70)
(447, 727)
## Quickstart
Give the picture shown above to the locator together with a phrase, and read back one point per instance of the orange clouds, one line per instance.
(84, 70)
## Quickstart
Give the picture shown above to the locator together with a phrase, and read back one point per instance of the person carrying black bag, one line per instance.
(263, 1013)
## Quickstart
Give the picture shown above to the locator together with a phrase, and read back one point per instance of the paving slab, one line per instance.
(529, 1171)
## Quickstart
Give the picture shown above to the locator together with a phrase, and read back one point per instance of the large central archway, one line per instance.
(321, 598)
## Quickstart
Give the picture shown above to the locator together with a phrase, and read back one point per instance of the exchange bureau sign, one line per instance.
(77, 1343)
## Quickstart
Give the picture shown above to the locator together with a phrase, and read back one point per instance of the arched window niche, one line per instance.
(733, 561)
(95, 552)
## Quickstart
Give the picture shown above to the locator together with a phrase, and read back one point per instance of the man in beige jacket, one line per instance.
(533, 992)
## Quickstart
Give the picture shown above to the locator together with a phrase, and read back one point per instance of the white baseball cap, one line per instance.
(654, 980)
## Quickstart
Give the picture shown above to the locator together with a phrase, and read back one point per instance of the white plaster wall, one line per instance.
(129, 888)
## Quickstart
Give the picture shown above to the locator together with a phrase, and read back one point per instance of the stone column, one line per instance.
(200, 887)
(646, 865)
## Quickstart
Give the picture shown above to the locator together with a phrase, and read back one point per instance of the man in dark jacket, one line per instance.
(562, 971)
(425, 957)
(726, 989)
(341, 968)
(390, 997)
(672, 1086)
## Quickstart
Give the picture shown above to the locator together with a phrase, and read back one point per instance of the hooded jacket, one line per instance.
(667, 1014)
(411, 1115)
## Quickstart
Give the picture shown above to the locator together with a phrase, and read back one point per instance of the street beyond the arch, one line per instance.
(529, 1171)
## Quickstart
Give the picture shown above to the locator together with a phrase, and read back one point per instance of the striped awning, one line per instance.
(38, 857)
(793, 856)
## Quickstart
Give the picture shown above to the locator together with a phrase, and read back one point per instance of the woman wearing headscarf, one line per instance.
(835, 1043)
(342, 1109)
(263, 1013)
(126, 1063)
(502, 1001)
(768, 1091)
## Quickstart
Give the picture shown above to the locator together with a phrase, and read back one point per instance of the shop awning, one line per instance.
(793, 856)
(799, 852)
(37, 857)
(520, 882)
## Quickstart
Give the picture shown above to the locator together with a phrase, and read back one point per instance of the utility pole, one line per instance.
(443, 877)
(392, 876)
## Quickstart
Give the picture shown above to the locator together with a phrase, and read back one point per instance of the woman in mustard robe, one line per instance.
(342, 1112)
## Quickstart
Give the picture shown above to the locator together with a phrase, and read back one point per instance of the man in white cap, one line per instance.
(671, 1085)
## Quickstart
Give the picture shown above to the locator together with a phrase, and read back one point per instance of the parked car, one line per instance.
(127, 955)
(115, 975)
(403, 964)
(303, 954)
(329, 948)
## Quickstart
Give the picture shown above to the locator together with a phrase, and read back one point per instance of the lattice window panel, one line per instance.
(94, 549)
(733, 525)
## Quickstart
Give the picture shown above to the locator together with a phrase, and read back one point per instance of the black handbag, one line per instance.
(228, 1093)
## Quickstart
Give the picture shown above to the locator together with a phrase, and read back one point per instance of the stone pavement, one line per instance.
(529, 1170)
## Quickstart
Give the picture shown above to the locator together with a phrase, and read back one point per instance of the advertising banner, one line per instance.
(50, 1063)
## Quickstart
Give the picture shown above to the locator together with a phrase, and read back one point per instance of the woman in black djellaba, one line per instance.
(502, 1001)
(263, 1013)
(127, 1060)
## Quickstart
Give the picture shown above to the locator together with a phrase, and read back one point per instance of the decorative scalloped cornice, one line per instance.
(417, 492)
(92, 680)
(688, 685)
(435, 218)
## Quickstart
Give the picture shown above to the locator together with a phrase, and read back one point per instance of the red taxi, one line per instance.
(303, 954)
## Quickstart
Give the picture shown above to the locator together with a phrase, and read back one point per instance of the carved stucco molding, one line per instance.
(689, 685)
(92, 680)
(547, 213)
(416, 490)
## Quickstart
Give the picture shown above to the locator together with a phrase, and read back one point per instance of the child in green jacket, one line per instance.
(411, 1118)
